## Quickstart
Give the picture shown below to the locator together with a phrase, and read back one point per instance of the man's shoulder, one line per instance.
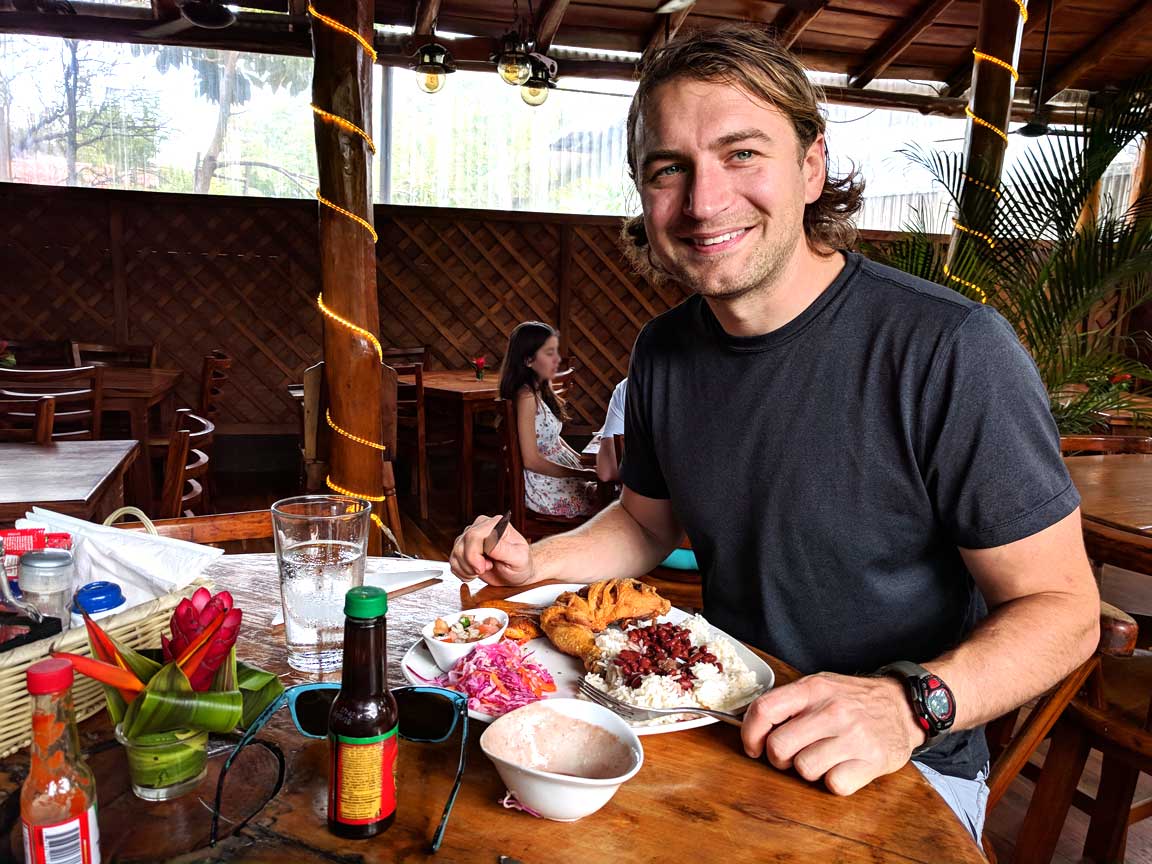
(911, 293)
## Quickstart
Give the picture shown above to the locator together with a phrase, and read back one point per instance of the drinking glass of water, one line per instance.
(321, 541)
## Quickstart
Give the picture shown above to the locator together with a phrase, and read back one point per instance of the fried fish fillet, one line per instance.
(573, 621)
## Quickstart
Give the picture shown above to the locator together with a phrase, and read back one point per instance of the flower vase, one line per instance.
(480, 374)
(165, 765)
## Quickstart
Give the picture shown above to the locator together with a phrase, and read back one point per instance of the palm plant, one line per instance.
(1047, 265)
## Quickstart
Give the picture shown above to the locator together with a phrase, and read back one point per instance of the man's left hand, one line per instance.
(847, 730)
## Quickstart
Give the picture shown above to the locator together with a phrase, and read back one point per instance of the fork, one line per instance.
(635, 713)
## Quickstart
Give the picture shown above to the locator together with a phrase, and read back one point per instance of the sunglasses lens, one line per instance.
(424, 715)
(312, 710)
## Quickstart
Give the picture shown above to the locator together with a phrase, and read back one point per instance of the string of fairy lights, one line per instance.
(348, 126)
(984, 57)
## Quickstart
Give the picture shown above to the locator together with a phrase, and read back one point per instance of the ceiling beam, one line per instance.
(884, 54)
(424, 21)
(1132, 25)
(790, 24)
(667, 26)
(549, 19)
(960, 78)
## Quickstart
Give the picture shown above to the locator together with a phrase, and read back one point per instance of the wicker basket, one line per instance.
(138, 627)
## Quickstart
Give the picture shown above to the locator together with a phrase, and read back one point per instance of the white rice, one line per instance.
(711, 688)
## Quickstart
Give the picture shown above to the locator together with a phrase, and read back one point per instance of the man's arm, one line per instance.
(607, 468)
(626, 539)
(1044, 622)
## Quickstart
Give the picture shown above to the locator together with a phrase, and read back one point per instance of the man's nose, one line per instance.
(709, 192)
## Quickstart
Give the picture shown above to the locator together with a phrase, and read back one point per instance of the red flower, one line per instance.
(3, 346)
(1120, 377)
(478, 362)
(190, 620)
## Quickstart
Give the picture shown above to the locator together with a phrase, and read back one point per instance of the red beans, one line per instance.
(663, 649)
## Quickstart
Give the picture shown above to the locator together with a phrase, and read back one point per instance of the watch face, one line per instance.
(939, 704)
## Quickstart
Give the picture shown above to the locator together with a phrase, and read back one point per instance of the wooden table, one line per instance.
(463, 393)
(697, 798)
(80, 478)
(1115, 490)
(465, 396)
(137, 391)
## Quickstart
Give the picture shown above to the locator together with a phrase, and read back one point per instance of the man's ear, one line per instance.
(815, 168)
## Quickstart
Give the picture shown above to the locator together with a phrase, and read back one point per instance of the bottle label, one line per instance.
(76, 841)
(362, 778)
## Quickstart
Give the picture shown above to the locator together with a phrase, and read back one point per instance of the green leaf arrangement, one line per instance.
(1047, 264)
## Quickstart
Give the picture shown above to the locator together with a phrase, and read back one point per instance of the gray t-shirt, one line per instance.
(826, 472)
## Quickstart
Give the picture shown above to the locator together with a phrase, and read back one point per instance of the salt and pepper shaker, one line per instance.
(46, 583)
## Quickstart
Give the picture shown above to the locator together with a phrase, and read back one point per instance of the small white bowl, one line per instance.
(447, 653)
(585, 775)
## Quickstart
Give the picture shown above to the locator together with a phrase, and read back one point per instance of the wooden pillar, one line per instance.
(1141, 174)
(342, 86)
(992, 89)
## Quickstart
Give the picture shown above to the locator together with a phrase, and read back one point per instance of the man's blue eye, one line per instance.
(667, 170)
(743, 155)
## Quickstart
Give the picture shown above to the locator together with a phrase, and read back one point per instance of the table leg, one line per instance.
(465, 483)
(142, 467)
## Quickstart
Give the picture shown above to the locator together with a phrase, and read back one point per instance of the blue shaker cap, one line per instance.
(98, 597)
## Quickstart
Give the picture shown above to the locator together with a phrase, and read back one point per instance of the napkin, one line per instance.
(143, 565)
(392, 574)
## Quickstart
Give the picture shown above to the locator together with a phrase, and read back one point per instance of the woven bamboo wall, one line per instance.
(193, 273)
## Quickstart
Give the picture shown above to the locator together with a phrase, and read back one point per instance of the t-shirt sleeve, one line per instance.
(992, 463)
(614, 422)
(641, 470)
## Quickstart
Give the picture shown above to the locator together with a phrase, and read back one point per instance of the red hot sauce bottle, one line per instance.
(58, 801)
(363, 725)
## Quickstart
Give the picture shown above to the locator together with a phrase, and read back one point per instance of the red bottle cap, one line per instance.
(49, 676)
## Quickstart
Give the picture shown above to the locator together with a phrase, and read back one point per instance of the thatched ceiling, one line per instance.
(1094, 43)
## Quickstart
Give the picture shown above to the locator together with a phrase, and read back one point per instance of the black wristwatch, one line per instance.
(932, 701)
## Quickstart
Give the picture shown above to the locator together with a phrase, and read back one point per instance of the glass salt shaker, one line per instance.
(46, 582)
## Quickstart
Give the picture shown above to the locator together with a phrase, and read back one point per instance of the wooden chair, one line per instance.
(95, 354)
(411, 428)
(1063, 763)
(314, 434)
(213, 379)
(562, 382)
(417, 354)
(16, 426)
(233, 532)
(78, 394)
(42, 353)
(186, 465)
(529, 523)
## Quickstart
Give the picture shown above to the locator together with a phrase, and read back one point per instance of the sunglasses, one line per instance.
(428, 715)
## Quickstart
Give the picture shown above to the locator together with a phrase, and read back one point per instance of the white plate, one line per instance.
(418, 667)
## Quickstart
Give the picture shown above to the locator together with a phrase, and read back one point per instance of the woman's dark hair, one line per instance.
(525, 341)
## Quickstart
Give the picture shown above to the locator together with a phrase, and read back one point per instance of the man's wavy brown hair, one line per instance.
(746, 56)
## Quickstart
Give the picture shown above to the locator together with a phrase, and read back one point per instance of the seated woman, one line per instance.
(554, 481)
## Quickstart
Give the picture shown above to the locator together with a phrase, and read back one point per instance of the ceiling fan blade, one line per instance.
(670, 6)
(168, 28)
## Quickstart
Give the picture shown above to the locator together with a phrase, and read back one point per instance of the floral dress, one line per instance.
(557, 496)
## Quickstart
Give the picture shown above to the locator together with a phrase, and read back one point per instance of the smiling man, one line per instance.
(865, 462)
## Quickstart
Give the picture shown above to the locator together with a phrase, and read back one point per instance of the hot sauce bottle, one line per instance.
(58, 801)
(362, 728)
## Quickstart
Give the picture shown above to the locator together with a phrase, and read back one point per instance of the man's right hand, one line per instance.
(509, 562)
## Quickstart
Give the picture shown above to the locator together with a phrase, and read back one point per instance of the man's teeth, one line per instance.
(712, 241)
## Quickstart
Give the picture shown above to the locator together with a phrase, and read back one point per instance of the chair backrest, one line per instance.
(512, 464)
(1011, 745)
(187, 459)
(27, 420)
(617, 444)
(41, 353)
(213, 378)
(313, 420)
(562, 382)
(417, 354)
(175, 476)
(95, 354)
(1105, 444)
(78, 393)
(214, 530)
(410, 396)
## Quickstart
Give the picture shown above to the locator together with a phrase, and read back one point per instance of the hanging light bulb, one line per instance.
(512, 59)
(534, 92)
(432, 63)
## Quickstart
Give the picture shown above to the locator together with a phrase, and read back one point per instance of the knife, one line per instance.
(497, 532)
